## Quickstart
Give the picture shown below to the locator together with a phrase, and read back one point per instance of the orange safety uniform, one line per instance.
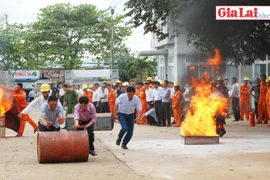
(88, 94)
(20, 98)
(268, 101)
(112, 98)
(176, 106)
(262, 109)
(244, 101)
(142, 96)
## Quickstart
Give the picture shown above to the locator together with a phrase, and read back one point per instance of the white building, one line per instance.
(176, 58)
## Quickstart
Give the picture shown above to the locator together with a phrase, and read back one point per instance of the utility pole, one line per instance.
(112, 41)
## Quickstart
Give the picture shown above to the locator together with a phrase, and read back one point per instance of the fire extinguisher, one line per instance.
(252, 118)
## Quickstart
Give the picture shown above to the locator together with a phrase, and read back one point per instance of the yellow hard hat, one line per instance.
(84, 86)
(267, 80)
(114, 84)
(91, 85)
(118, 82)
(220, 78)
(45, 87)
(246, 79)
(214, 82)
(176, 84)
(149, 79)
(161, 83)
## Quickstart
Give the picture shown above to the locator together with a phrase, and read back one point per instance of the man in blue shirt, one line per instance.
(51, 115)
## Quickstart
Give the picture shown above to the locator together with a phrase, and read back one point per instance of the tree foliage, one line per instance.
(132, 67)
(240, 41)
(66, 33)
(15, 49)
(62, 36)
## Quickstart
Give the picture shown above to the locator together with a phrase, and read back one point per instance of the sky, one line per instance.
(23, 11)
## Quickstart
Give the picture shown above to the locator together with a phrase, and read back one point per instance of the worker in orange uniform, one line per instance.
(142, 97)
(20, 99)
(111, 98)
(262, 110)
(87, 93)
(149, 81)
(245, 99)
(176, 104)
(268, 99)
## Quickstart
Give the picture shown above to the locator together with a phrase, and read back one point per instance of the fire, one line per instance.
(200, 118)
(216, 60)
(6, 100)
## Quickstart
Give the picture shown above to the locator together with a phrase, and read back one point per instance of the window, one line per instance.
(246, 72)
(232, 71)
(192, 58)
(203, 58)
(193, 71)
(260, 68)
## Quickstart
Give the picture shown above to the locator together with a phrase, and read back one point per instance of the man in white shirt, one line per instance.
(96, 98)
(31, 95)
(149, 93)
(61, 93)
(104, 106)
(125, 105)
(157, 100)
(234, 96)
(39, 101)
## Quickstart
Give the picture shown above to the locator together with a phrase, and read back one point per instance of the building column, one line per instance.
(179, 69)
(166, 65)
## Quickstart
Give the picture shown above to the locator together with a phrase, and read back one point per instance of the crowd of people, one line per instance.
(149, 102)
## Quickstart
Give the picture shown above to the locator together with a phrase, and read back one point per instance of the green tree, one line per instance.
(132, 67)
(240, 41)
(64, 34)
(15, 51)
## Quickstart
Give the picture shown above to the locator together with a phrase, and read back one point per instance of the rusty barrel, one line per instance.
(2, 126)
(64, 146)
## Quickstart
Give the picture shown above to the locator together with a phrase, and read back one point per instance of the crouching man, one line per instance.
(51, 115)
(84, 118)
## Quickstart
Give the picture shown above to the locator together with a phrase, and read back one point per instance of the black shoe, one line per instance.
(265, 122)
(222, 132)
(93, 152)
(173, 122)
(157, 124)
(124, 147)
(168, 125)
(118, 141)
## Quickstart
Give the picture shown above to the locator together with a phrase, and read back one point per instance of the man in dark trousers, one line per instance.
(125, 107)
(157, 90)
(235, 95)
(166, 104)
(84, 118)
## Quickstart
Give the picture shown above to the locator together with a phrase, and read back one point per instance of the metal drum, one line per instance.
(65, 146)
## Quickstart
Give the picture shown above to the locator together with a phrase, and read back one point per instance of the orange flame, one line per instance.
(200, 118)
(192, 67)
(6, 100)
(216, 60)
